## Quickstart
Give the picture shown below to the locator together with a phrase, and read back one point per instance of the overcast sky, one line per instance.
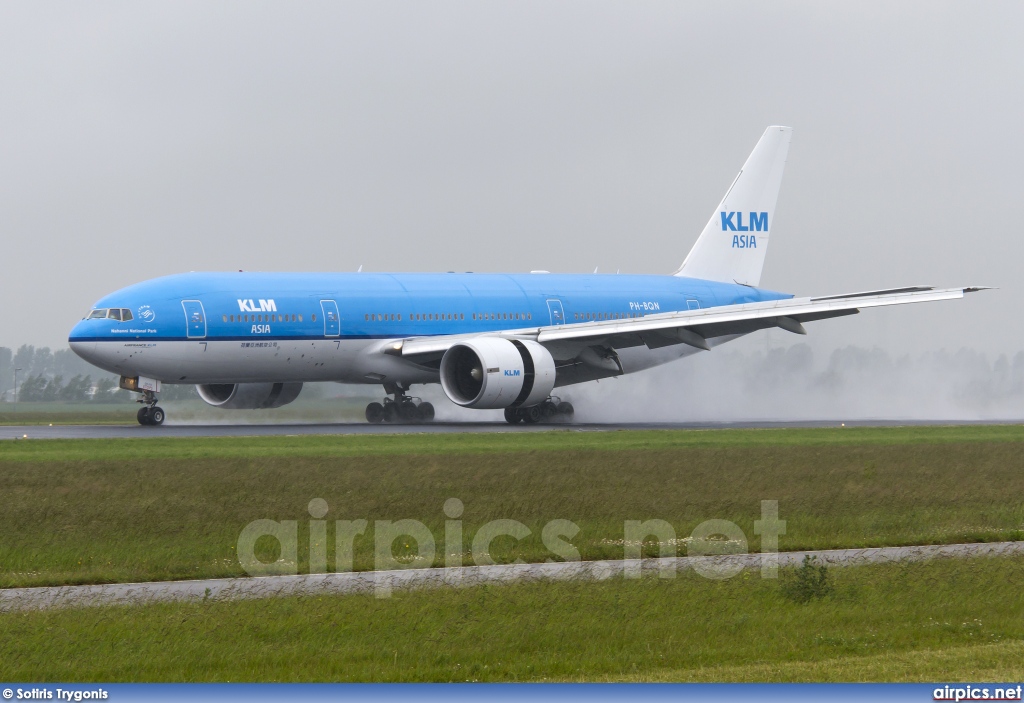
(140, 139)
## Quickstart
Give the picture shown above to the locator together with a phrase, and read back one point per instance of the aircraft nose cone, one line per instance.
(86, 350)
(77, 332)
(77, 341)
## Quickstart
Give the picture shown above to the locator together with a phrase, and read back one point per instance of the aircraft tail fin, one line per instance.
(732, 247)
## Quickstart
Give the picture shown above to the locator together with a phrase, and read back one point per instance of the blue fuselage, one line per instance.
(236, 306)
(283, 311)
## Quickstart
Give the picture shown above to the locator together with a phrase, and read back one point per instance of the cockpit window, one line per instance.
(98, 314)
(126, 315)
(114, 313)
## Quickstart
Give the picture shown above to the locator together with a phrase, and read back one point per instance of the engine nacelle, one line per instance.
(492, 372)
(249, 396)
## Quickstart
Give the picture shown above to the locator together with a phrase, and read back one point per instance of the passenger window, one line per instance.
(300, 318)
(529, 316)
(313, 317)
(461, 316)
(114, 314)
(225, 317)
(126, 315)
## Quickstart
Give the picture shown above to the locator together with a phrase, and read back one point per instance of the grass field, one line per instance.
(91, 511)
(945, 620)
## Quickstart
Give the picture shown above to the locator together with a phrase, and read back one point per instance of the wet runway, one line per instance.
(382, 582)
(131, 431)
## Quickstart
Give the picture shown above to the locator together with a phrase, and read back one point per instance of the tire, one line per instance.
(566, 409)
(157, 416)
(425, 412)
(392, 413)
(548, 409)
(143, 416)
(533, 415)
(374, 413)
(512, 416)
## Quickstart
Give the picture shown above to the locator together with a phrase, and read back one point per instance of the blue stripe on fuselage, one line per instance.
(369, 305)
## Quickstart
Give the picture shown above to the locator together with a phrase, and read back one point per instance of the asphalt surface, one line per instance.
(382, 582)
(129, 431)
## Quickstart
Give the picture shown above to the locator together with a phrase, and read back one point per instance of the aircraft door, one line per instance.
(332, 321)
(195, 319)
(556, 312)
(693, 305)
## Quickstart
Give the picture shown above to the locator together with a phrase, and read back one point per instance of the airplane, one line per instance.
(493, 341)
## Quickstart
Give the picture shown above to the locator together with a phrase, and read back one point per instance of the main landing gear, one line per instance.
(149, 414)
(401, 408)
(551, 410)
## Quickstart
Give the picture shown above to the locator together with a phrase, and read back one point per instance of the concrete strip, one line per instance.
(381, 582)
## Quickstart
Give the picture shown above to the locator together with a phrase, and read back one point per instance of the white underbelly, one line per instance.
(204, 361)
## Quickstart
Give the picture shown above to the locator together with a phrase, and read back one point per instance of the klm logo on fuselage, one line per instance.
(733, 222)
(512, 372)
(257, 306)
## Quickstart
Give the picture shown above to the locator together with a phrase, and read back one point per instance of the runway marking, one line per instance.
(12, 599)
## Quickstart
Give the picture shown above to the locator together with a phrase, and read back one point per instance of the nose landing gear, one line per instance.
(400, 409)
(150, 414)
(551, 410)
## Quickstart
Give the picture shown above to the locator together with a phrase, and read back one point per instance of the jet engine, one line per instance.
(493, 372)
(249, 396)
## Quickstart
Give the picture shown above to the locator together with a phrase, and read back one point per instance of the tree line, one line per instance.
(62, 376)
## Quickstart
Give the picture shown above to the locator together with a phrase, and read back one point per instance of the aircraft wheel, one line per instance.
(392, 413)
(425, 412)
(374, 413)
(156, 416)
(512, 416)
(533, 415)
(566, 410)
(143, 415)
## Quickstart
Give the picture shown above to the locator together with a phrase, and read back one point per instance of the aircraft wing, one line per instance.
(697, 328)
